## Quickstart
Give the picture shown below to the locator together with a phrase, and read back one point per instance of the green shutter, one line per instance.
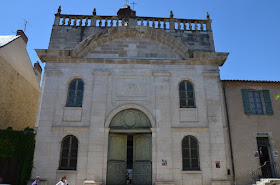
(267, 101)
(246, 101)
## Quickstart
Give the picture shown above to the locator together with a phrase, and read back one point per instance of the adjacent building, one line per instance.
(19, 83)
(253, 116)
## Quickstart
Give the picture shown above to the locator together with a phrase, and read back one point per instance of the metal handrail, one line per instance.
(267, 170)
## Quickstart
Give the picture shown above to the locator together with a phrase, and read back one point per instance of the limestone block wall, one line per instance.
(68, 37)
(18, 100)
(154, 88)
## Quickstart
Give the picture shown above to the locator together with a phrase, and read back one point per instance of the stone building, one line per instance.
(253, 118)
(129, 92)
(19, 83)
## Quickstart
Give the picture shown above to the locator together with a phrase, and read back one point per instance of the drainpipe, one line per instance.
(229, 134)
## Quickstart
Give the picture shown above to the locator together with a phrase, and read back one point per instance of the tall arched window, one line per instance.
(69, 153)
(186, 94)
(190, 153)
(75, 93)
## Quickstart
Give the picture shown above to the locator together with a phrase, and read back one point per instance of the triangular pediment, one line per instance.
(133, 48)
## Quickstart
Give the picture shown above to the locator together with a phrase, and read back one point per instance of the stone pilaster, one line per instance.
(216, 130)
(97, 137)
(163, 133)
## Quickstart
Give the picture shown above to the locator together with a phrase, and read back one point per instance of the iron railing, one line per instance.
(267, 170)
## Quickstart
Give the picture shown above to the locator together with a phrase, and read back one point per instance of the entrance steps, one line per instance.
(271, 181)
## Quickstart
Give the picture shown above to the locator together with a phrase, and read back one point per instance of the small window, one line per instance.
(190, 153)
(256, 102)
(75, 93)
(186, 94)
(69, 153)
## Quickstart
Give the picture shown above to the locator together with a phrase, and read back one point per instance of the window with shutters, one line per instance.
(257, 102)
(190, 153)
(75, 93)
(69, 153)
(186, 94)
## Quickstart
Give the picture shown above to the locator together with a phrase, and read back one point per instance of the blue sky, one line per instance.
(249, 30)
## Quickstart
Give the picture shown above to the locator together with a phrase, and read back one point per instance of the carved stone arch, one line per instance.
(107, 35)
(64, 135)
(130, 119)
(141, 111)
(185, 79)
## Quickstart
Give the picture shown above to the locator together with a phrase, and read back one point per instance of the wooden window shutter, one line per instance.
(246, 101)
(267, 101)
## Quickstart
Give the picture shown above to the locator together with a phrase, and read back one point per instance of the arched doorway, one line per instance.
(130, 148)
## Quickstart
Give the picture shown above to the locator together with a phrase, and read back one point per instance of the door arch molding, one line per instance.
(129, 106)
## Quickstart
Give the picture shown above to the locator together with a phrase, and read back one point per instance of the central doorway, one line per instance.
(129, 149)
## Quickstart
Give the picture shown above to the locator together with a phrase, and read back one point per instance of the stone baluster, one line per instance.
(185, 26)
(195, 25)
(142, 22)
(86, 23)
(201, 26)
(112, 22)
(106, 22)
(153, 25)
(81, 21)
(69, 21)
(159, 24)
(190, 25)
(63, 20)
(117, 24)
(179, 25)
(100, 22)
(75, 21)
(148, 22)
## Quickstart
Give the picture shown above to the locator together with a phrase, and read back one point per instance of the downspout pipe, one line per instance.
(229, 134)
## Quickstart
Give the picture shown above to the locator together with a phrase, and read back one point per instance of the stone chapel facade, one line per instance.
(128, 92)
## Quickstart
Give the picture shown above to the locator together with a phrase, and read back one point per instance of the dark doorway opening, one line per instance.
(264, 152)
(129, 152)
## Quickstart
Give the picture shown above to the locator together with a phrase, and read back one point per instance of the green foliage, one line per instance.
(18, 147)
(277, 96)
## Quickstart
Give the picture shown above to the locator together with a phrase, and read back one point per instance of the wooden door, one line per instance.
(116, 167)
(142, 159)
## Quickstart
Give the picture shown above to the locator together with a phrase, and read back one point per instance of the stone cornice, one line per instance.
(65, 56)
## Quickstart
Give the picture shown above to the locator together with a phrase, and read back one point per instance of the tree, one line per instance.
(277, 96)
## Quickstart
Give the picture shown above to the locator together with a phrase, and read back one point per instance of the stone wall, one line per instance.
(152, 89)
(68, 37)
(18, 100)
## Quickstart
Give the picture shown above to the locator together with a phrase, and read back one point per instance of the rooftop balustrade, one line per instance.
(115, 21)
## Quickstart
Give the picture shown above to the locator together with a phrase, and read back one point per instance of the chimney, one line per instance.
(38, 70)
(23, 36)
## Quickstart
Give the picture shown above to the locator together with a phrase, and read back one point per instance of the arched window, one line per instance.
(75, 93)
(69, 153)
(190, 153)
(186, 94)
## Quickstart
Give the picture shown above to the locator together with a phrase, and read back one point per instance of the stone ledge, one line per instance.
(163, 183)
(92, 182)
(220, 182)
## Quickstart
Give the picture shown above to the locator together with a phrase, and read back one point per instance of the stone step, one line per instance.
(271, 181)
